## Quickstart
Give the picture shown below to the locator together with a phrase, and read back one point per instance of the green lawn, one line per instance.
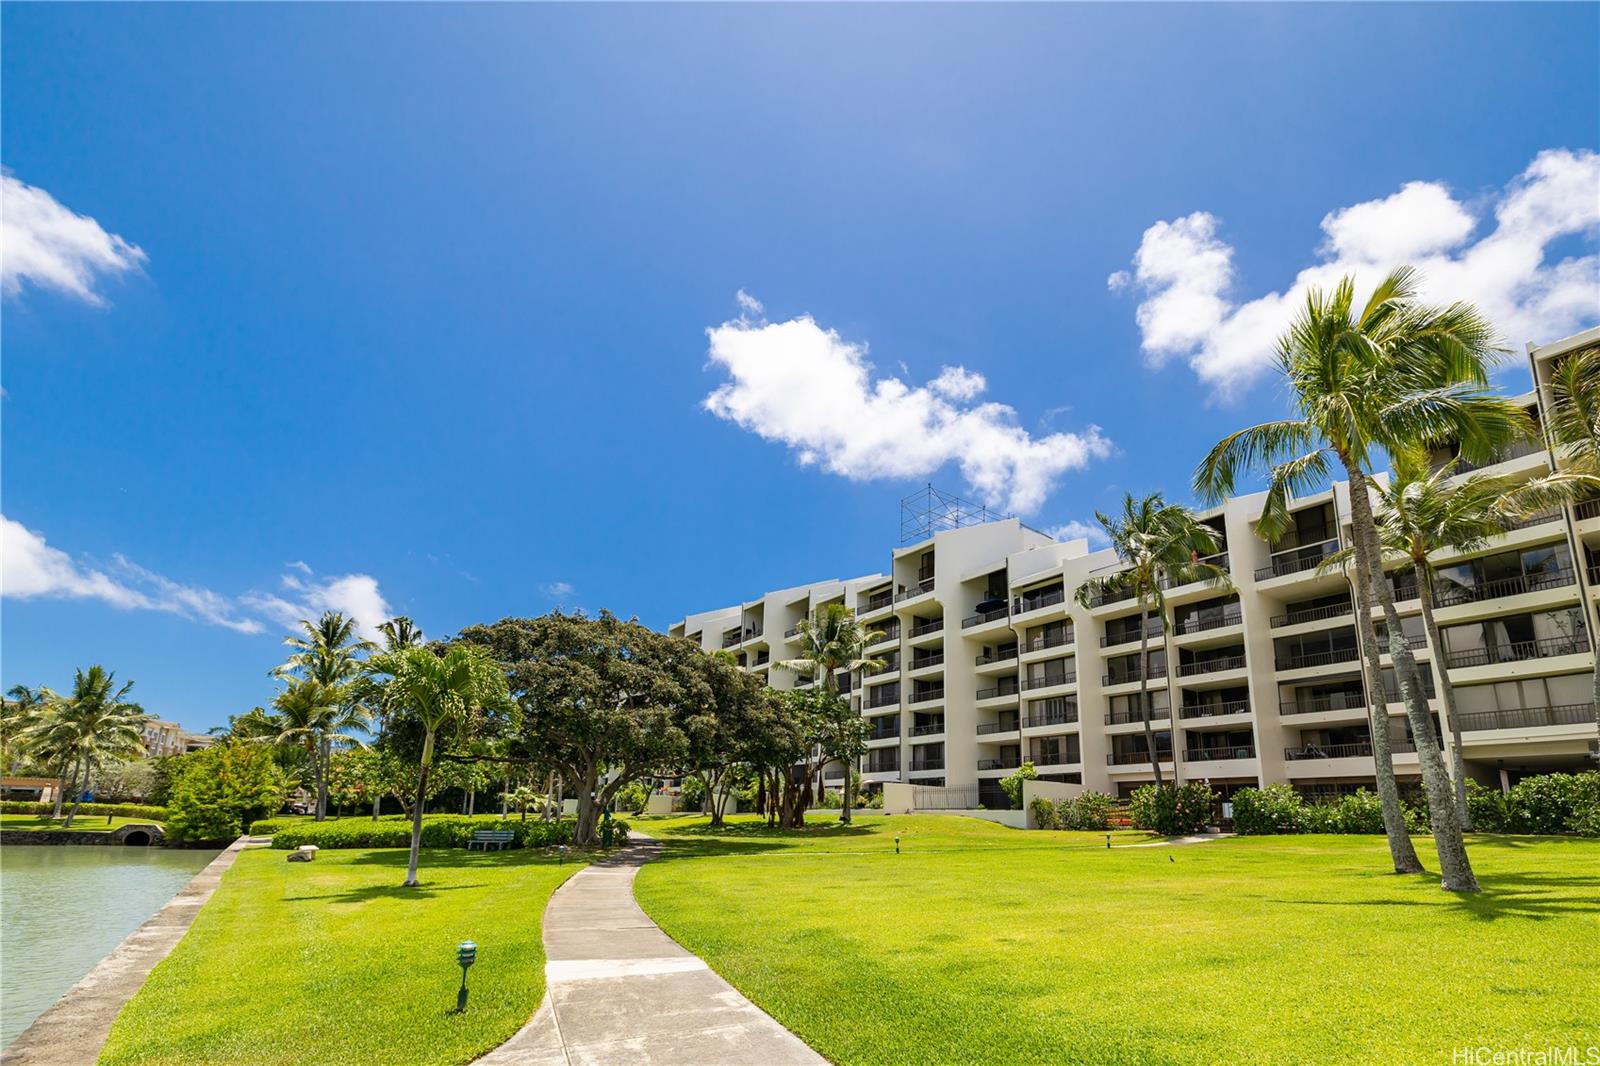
(333, 962)
(90, 823)
(984, 944)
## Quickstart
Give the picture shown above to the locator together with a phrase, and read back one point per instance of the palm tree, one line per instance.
(1160, 545)
(328, 654)
(399, 633)
(307, 714)
(1572, 433)
(93, 724)
(1421, 513)
(832, 640)
(21, 706)
(1387, 375)
(439, 690)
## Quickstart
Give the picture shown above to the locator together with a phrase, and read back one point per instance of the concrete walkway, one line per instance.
(74, 1030)
(619, 990)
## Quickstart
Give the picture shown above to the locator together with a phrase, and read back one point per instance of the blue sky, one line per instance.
(411, 304)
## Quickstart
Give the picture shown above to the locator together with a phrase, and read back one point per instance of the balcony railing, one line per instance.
(1111, 640)
(883, 696)
(1586, 510)
(1452, 595)
(1328, 751)
(1111, 594)
(1056, 757)
(1005, 725)
(890, 634)
(1234, 751)
(1301, 559)
(1005, 762)
(921, 588)
(1528, 717)
(996, 657)
(1157, 714)
(927, 695)
(927, 627)
(1201, 621)
(931, 659)
(1058, 640)
(1214, 710)
(982, 617)
(1047, 718)
(1038, 602)
(879, 601)
(1211, 666)
(1515, 451)
(1532, 520)
(919, 765)
(1308, 539)
(1594, 574)
(1520, 651)
(994, 692)
(1312, 614)
(730, 639)
(793, 631)
(885, 734)
(886, 766)
(1156, 671)
(1318, 658)
(1048, 680)
(928, 730)
(1135, 758)
(1353, 701)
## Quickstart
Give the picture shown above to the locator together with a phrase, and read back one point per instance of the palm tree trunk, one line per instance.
(77, 791)
(1454, 867)
(316, 778)
(377, 801)
(62, 784)
(416, 810)
(325, 753)
(1447, 695)
(1394, 819)
(1144, 692)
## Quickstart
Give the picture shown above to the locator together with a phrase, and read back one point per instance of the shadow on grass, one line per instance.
(371, 892)
(1500, 898)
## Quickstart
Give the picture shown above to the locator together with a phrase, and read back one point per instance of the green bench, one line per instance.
(500, 838)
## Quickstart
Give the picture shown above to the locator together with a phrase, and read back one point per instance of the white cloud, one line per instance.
(52, 247)
(306, 596)
(557, 590)
(1184, 271)
(1075, 530)
(805, 386)
(30, 568)
(748, 304)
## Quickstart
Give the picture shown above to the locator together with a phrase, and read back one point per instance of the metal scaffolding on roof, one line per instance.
(930, 510)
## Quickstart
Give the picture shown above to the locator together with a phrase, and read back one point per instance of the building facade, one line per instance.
(991, 661)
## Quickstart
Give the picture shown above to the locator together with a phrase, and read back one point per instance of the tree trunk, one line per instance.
(325, 754)
(849, 782)
(1447, 695)
(416, 810)
(1394, 819)
(377, 803)
(1454, 867)
(77, 791)
(1144, 692)
(61, 786)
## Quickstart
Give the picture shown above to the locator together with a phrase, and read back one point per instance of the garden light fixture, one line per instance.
(466, 955)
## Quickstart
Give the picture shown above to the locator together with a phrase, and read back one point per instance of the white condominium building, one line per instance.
(990, 660)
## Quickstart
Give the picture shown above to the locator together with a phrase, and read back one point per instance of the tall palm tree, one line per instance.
(1572, 433)
(439, 690)
(400, 632)
(307, 715)
(328, 652)
(1388, 374)
(832, 640)
(20, 707)
(1421, 513)
(92, 724)
(1160, 545)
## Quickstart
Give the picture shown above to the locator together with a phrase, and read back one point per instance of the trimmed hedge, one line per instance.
(120, 810)
(438, 831)
(1548, 804)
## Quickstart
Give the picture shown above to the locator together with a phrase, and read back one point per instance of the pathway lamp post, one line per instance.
(466, 955)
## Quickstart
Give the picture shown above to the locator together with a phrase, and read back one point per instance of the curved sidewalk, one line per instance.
(619, 990)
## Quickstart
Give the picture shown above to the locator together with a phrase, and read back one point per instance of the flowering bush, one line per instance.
(1173, 810)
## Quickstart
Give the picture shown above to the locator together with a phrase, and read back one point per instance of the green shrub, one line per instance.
(1173, 810)
(217, 791)
(875, 801)
(1092, 810)
(1318, 818)
(1554, 803)
(1276, 808)
(1012, 783)
(632, 798)
(120, 810)
(438, 831)
(693, 794)
(1358, 813)
(1044, 813)
(831, 800)
(1487, 806)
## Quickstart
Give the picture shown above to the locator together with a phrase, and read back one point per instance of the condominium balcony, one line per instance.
(730, 639)
(1156, 671)
(1004, 762)
(927, 695)
(927, 627)
(882, 696)
(911, 592)
(1328, 751)
(1135, 758)
(1050, 680)
(1298, 560)
(890, 635)
(1214, 710)
(1057, 640)
(1317, 658)
(1130, 717)
(984, 616)
(1215, 665)
(931, 729)
(1455, 595)
(1540, 519)
(1111, 594)
(1112, 640)
(1527, 717)
(1202, 621)
(879, 601)
(994, 692)
(1061, 716)
(1037, 602)
(989, 659)
(1056, 757)
(1004, 725)
(791, 632)
(1586, 510)
(1233, 751)
(1312, 614)
(920, 765)
(1520, 651)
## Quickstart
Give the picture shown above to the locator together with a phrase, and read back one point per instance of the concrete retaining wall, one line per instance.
(119, 836)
